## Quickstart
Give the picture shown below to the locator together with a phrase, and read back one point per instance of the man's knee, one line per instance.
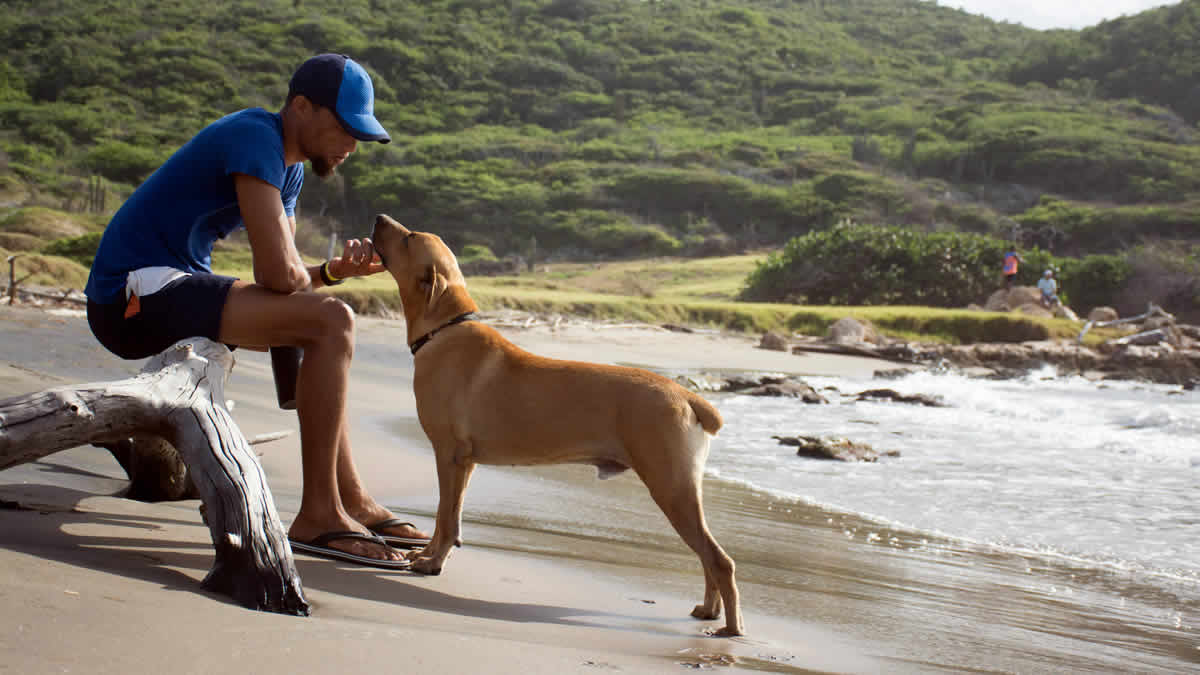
(334, 323)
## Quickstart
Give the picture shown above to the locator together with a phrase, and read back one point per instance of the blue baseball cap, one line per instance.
(336, 82)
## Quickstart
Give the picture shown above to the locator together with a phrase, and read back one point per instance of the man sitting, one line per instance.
(1048, 285)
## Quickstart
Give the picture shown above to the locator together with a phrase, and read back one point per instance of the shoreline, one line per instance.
(560, 573)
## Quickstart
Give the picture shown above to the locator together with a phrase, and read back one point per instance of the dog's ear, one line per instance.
(434, 283)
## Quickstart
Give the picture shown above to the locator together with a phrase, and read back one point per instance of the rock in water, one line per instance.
(840, 449)
(893, 395)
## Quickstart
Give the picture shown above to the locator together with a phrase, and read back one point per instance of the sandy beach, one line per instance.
(92, 582)
(559, 572)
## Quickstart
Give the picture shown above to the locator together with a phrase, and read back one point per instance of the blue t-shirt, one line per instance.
(183, 208)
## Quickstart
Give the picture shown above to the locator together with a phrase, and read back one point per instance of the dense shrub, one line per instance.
(123, 162)
(81, 249)
(851, 264)
(872, 265)
(604, 233)
(1093, 281)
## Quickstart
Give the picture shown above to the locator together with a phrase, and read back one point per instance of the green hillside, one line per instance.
(585, 129)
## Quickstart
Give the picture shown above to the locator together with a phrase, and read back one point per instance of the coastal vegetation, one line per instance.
(559, 131)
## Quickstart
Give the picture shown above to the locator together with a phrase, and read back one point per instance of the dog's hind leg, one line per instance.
(678, 492)
(454, 473)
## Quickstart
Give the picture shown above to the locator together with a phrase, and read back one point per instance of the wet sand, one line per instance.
(560, 572)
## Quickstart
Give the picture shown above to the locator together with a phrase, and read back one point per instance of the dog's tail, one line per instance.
(710, 419)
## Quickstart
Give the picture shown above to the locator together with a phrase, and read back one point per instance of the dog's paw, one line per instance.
(726, 631)
(702, 612)
(427, 566)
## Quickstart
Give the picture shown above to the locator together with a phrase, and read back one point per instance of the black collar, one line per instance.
(420, 342)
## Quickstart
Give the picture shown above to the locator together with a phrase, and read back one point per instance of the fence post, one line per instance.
(12, 277)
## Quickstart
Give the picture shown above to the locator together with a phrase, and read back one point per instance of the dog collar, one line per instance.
(420, 342)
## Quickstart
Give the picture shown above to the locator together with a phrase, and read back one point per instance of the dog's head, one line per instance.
(431, 286)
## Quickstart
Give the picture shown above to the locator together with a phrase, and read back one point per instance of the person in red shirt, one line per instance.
(1011, 261)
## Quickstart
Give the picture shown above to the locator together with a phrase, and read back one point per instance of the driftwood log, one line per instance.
(177, 404)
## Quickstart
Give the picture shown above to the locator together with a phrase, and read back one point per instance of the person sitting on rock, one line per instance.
(1048, 285)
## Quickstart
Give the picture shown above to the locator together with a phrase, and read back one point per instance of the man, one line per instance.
(1011, 260)
(1048, 285)
(151, 283)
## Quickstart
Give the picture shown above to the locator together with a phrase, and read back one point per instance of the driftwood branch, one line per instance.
(177, 401)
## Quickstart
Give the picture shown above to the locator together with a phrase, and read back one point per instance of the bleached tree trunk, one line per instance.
(179, 399)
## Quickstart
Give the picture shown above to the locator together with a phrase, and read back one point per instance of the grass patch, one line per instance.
(49, 224)
(19, 241)
(45, 270)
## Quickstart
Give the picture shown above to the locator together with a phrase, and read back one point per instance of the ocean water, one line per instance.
(1104, 474)
(1046, 524)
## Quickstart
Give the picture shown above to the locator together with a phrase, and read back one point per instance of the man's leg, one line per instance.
(324, 327)
(357, 502)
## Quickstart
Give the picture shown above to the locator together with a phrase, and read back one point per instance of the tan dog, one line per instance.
(483, 400)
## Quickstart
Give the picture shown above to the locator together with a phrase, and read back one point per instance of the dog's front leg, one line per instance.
(454, 472)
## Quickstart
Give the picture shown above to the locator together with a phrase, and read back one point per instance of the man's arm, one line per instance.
(277, 263)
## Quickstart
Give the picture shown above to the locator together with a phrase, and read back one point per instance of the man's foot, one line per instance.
(322, 546)
(383, 522)
(304, 530)
(395, 527)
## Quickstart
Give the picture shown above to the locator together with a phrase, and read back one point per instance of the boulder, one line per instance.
(774, 341)
(840, 449)
(1035, 309)
(1007, 299)
(893, 395)
(1100, 314)
(739, 383)
(790, 388)
(894, 373)
(847, 330)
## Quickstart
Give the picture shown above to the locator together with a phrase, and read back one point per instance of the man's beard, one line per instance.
(322, 167)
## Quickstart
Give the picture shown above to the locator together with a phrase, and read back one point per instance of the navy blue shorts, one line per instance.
(187, 307)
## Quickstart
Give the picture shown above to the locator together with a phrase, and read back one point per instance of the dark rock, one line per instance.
(840, 449)
(792, 388)
(677, 329)
(850, 331)
(894, 373)
(774, 342)
(739, 383)
(900, 351)
(893, 395)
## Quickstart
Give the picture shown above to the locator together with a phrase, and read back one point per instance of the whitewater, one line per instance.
(1105, 473)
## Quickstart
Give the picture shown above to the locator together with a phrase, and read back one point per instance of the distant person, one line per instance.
(1011, 261)
(1048, 285)
(152, 285)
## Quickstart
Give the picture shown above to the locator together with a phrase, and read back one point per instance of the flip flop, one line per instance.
(394, 541)
(320, 547)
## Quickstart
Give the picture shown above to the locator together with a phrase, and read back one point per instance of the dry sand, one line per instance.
(91, 582)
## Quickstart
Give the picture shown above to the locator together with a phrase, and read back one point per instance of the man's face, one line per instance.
(324, 141)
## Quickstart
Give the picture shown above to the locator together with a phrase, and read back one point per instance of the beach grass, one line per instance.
(699, 293)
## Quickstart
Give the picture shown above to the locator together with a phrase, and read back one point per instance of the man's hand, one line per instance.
(359, 259)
